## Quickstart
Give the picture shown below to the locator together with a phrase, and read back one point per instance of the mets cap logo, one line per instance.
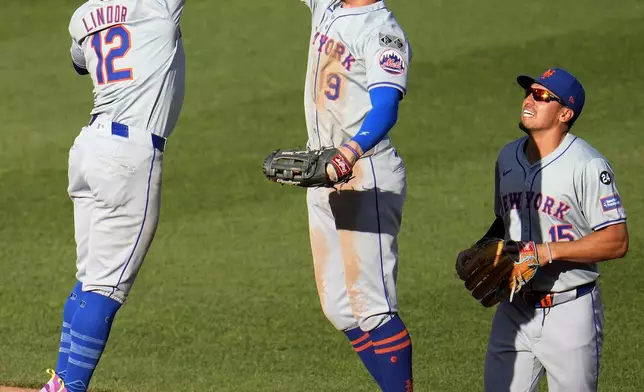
(392, 62)
(548, 73)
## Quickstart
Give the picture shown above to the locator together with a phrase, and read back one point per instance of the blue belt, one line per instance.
(540, 299)
(123, 130)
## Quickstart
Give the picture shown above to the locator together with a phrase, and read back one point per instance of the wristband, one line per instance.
(353, 150)
(549, 253)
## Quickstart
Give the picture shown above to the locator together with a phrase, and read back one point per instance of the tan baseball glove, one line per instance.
(494, 269)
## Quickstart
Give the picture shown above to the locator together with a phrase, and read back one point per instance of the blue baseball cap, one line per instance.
(563, 84)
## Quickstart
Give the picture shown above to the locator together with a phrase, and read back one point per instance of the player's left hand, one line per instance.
(314, 168)
(494, 270)
(348, 156)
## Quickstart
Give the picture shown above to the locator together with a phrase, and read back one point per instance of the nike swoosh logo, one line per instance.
(506, 172)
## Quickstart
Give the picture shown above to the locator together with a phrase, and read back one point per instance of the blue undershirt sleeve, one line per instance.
(380, 119)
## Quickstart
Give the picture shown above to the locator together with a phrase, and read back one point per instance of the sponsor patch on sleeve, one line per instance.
(392, 62)
(611, 202)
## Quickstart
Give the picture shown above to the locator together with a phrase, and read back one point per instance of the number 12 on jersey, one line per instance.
(105, 70)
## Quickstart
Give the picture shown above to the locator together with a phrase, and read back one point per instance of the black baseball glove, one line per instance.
(307, 168)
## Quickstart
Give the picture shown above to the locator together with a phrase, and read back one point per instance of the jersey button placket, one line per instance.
(526, 215)
(524, 221)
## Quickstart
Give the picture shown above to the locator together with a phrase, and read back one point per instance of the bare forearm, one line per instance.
(607, 244)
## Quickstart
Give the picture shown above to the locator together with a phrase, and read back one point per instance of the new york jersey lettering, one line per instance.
(334, 49)
(536, 201)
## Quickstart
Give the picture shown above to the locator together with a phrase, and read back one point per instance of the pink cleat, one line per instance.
(55, 384)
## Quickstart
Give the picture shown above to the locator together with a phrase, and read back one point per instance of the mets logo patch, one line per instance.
(392, 62)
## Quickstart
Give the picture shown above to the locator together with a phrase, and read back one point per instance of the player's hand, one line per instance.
(308, 168)
(348, 157)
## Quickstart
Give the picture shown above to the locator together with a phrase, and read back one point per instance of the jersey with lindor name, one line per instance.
(352, 50)
(134, 54)
(567, 195)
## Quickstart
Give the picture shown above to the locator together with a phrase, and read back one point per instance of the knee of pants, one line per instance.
(342, 319)
(371, 322)
(109, 292)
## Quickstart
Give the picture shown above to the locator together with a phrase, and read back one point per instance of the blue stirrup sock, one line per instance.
(90, 329)
(392, 349)
(65, 338)
(361, 342)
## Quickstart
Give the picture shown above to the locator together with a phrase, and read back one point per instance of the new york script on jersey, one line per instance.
(534, 200)
(333, 49)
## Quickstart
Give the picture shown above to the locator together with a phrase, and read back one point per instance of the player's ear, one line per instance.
(566, 114)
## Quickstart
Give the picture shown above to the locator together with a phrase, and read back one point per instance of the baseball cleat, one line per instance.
(55, 384)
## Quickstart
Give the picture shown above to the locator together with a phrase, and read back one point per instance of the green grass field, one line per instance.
(226, 300)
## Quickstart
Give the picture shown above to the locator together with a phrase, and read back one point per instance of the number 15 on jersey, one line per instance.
(116, 41)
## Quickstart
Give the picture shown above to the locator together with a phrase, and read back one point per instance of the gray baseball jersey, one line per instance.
(132, 50)
(134, 53)
(564, 197)
(352, 50)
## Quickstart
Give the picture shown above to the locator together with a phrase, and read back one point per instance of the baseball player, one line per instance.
(133, 51)
(357, 74)
(553, 188)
